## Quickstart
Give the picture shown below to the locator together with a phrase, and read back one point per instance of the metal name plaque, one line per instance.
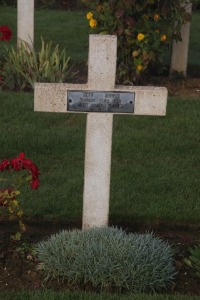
(93, 101)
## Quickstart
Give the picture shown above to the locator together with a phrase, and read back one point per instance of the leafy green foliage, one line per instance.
(24, 66)
(194, 259)
(108, 259)
(145, 30)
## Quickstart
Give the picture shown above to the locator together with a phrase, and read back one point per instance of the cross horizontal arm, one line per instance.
(52, 97)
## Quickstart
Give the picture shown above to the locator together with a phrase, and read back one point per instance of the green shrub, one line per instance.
(24, 66)
(108, 259)
(145, 30)
(194, 259)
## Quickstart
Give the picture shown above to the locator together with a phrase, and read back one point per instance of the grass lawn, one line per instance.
(61, 27)
(50, 295)
(155, 161)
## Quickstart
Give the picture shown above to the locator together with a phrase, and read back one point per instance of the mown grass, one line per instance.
(63, 28)
(50, 295)
(155, 161)
(68, 29)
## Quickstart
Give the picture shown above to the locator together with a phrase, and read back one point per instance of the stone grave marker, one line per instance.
(100, 98)
(25, 22)
(179, 57)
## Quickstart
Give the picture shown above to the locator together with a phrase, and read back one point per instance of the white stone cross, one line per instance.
(25, 22)
(56, 97)
(179, 57)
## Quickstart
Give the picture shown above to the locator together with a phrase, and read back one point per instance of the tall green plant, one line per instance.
(145, 30)
(24, 66)
(194, 259)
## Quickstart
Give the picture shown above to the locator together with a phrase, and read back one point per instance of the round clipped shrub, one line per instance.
(108, 259)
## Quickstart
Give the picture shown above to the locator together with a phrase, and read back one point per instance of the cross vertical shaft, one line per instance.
(101, 76)
(25, 22)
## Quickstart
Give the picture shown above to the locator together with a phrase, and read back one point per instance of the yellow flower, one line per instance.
(93, 23)
(135, 53)
(163, 38)
(156, 17)
(146, 17)
(139, 68)
(140, 36)
(89, 16)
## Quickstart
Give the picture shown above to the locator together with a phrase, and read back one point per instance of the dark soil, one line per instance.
(18, 265)
(188, 87)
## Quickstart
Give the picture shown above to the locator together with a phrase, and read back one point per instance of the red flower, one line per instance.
(16, 163)
(34, 170)
(35, 184)
(29, 165)
(21, 163)
(1, 78)
(4, 165)
(6, 33)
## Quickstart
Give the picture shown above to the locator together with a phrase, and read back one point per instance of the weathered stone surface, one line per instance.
(25, 22)
(52, 97)
(179, 58)
(97, 169)
(102, 62)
